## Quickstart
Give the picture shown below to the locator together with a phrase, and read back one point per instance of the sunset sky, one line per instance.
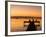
(21, 10)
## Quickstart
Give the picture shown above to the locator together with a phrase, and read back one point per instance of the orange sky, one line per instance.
(20, 10)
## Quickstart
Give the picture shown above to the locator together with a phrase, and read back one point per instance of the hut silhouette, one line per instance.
(31, 26)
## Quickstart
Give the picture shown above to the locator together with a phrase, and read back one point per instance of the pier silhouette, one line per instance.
(31, 26)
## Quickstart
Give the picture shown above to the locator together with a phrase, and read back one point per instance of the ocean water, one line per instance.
(19, 25)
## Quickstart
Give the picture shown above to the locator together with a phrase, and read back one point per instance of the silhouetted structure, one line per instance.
(31, 26)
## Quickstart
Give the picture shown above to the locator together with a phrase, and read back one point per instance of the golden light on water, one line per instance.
(19, 10)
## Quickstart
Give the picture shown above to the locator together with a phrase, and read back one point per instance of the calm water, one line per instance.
(19, 25)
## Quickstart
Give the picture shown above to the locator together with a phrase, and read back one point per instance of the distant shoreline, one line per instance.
(17, 17)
